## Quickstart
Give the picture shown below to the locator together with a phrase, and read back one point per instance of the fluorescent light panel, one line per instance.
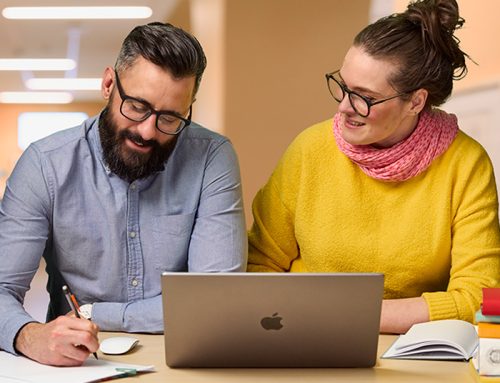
(37, 64)
(32, 13)
(35, 97)
(64, 83)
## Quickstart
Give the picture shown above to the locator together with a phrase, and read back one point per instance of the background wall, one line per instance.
(277, 55)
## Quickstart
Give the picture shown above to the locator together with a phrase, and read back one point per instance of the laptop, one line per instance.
(271, 319)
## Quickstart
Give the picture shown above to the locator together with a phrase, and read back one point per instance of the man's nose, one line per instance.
(147, 128)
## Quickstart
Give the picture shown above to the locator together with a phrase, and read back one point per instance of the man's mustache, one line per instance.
(138, 139)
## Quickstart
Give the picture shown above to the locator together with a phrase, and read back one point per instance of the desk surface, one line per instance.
(151, 351)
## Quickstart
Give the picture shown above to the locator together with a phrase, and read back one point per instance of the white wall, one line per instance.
(478, 112)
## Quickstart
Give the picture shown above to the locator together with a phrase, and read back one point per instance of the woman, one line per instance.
(390, 184)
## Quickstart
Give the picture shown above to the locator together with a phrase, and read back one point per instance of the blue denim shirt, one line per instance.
(111, 239)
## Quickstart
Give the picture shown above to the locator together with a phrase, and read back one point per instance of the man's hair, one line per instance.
(167, 46)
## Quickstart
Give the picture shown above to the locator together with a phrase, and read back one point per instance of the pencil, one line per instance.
(73, 304)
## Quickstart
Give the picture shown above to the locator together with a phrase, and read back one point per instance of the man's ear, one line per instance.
(418, 100)
(108, 82)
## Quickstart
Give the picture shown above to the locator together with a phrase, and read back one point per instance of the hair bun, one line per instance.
(438, 20)
(434, 14)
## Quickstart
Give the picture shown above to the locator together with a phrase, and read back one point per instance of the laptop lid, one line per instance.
(271, 319)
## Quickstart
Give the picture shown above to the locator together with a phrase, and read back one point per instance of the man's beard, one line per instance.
(127, 163)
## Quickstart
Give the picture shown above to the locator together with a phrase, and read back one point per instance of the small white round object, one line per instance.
(117, 345)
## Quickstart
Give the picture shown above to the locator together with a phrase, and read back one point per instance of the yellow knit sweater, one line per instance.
(435, 235)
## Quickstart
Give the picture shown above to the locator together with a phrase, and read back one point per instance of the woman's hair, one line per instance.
(167, 46)
(420, 41)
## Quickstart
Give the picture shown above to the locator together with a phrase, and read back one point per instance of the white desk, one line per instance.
(151, 351)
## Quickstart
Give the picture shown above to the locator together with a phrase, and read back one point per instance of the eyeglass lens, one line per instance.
(139, 111)
(338, 92)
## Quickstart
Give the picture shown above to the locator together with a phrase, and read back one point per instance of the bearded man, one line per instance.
(111, 204)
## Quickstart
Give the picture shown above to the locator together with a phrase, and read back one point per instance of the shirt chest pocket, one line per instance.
(171, 237)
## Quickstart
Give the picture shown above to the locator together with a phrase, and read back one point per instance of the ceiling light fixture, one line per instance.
(32, 13)
(64, 83)
(35, 97)
(37, 64)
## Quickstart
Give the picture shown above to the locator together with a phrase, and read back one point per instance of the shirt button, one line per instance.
(132, 186)
(135, 282)
(132, 234)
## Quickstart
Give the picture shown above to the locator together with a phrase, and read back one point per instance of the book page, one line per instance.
(455, 338)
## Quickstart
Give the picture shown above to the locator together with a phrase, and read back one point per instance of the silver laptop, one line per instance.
(271, 319)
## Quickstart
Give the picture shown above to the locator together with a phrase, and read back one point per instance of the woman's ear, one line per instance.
(418, 100)
(108, 82)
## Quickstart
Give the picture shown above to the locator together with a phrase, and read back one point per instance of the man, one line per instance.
(135, 191)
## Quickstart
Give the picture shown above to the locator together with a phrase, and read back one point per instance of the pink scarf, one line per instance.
(434, 133)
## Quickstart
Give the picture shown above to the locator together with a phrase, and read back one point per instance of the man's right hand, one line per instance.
(65, 341)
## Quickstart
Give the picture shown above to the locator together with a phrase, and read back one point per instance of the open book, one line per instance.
(449, 339)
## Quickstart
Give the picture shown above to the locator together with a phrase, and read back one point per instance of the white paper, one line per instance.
(17, 369)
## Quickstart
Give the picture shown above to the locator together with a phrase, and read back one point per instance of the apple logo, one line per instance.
(272, 322)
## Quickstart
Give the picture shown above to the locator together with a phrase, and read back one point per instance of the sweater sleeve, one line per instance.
(475, 251)
(272, 243)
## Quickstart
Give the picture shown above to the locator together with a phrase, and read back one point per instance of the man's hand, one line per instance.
(65, 341)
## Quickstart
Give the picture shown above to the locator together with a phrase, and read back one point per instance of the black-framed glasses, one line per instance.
(167, 122)
(361, 104)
